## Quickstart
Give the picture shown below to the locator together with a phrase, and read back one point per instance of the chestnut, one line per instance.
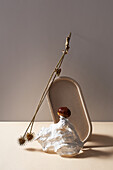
(64, 111)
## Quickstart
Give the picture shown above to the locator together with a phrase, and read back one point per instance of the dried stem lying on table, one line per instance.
(55, 73)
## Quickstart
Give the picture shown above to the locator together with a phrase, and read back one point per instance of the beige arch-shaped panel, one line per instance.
(67, 92)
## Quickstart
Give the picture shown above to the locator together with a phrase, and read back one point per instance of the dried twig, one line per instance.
(55, 73)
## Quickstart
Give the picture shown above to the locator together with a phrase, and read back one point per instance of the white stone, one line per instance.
(60, 138)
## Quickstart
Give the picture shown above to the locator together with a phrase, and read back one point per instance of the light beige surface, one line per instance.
(97, 154)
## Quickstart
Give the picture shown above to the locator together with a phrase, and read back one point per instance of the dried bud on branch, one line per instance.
(21, 140)
(29, 136)
(67, 43)
(58, 71)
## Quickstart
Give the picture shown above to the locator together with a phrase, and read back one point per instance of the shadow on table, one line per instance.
(33, 150)
(38, 150)
(96, 141)
(94, 153)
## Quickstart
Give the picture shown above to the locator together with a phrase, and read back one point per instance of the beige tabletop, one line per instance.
(97, 153)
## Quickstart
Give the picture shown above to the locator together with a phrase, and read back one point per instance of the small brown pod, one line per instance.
(29, 136)
(64, 111)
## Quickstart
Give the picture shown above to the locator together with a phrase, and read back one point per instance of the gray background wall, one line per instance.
(32, 36)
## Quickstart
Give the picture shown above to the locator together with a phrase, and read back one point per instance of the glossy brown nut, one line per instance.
(64, 111)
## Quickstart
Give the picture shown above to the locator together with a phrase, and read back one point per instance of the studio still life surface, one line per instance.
(72, 126)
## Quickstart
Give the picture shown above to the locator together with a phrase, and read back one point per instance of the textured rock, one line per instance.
(60, 138)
